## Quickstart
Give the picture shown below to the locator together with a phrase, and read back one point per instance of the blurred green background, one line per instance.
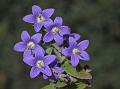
(96, 20)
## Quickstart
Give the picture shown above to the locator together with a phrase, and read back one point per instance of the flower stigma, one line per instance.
(30, 45)
(40, 64)
(40, 19)
(75, 50)
(55, 30)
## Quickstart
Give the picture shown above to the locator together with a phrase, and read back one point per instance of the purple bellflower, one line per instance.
(76, 51)
(28, 43)
(39, 63)
(38, 17)
(55, 31)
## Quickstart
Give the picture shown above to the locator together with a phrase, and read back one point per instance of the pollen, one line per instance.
(40, 64)
(30, 45)
(75, 50)
(55, 30)
(40, 19)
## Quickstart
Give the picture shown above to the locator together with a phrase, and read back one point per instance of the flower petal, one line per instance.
(74, 60)
(45, 77)
(83, 44)
(66, 52)
(58, 21)
(58, 39)
(37, 37)
(84, 56)
(49, 59)
(20, 47)
(36, 10)
(46, 70)
(29, 18)
(72, 42)
(30, 60)
(48, 12)
(27, 53)
(48, 37)
(37, 26)
(48, 24)
(39, 51)
(75, 36)
(25, 36)
(58, 70)
(34, 72)
(64, 30)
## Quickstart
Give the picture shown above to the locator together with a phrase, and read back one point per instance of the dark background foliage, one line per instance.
(96, 20)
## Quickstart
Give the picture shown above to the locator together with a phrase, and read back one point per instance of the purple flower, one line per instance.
(55, 31)
(39, 17)
(76, 51)
(39, 63)
(28, 43)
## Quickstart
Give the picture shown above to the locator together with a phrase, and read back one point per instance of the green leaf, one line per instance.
(50, 86)
(82, 86)
(49, 50)
(60, 84)
(69, 69)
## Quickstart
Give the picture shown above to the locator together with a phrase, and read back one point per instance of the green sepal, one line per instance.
(49, 50)
(59, 56)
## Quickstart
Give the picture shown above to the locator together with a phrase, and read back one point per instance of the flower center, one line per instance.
(55, 30)
(30, 45)
(40, 64)
(75, 50)
(40, 18)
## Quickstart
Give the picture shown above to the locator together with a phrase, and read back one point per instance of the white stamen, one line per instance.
(55, 30)
(30, 45)
(75, 50)
(39, 63)
(40, 19)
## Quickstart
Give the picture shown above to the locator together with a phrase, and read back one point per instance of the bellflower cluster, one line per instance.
(35, 47)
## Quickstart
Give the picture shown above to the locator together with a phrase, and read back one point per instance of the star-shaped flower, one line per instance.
(39, 17)
(28, 43)
(39, 63)
(76, 51)
(55, 31)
